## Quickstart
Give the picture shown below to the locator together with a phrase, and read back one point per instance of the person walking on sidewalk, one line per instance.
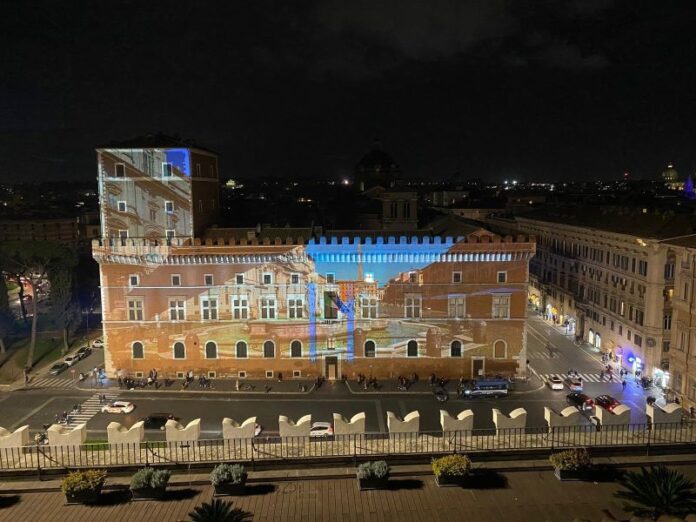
(623, 384)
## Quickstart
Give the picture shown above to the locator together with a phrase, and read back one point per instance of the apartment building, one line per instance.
(607, 275)
(254, 306)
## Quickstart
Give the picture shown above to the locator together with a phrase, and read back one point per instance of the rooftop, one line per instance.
(155, 141)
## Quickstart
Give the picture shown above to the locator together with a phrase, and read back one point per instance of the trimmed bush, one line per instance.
(452, 466)
(150, 478)
(228, 474)
(377, 469)
(576, 459)
(78, 482)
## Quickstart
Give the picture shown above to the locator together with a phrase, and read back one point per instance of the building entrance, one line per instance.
(331, 368)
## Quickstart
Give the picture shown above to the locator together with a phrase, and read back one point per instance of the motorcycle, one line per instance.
(441, 395)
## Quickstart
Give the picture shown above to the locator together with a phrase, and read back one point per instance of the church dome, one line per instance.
(670, 173)
(376, 168)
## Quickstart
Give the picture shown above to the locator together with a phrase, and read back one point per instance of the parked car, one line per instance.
(98, 343)
(156, 421)
(58, 368)
(119, 407)
(607, 402)
(71, 359)
(84, 352)
(321, 429)
(555, 383)
(574, 384)
(580, 401)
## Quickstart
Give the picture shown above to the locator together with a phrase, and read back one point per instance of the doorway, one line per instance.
(331, 368)
(478, 365)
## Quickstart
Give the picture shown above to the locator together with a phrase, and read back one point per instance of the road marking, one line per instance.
(32, 413)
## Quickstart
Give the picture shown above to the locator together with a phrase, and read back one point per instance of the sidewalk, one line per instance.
(494, 495)
(226, 386)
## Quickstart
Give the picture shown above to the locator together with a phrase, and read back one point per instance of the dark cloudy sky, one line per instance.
(534, 89)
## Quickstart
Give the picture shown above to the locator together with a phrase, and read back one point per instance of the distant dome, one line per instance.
(670, 173)
(376, 168)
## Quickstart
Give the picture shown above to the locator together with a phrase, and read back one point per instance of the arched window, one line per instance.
(179, 350)
(369, 348)
(211, 350)
(412, 348)
(241, 350)
(138, 350)
(500, 350)
(456, 349)
(296, 349)
(269, 350)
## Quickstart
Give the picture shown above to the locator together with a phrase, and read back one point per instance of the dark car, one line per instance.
(58, 368)
(84, 352)
(607, 402)
(156, 421)
(580, 401)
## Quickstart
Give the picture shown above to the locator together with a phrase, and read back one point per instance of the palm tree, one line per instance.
(218, 511)
(657, 491)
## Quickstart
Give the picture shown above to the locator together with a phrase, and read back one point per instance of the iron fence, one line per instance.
(277, 449)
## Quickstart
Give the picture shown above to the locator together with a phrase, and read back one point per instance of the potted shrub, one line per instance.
(451, 470)
(83, 487)
(228, 479)
(373, 475)
(150, 483)
(572, 464)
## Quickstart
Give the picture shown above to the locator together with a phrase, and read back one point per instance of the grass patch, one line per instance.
(46, 350)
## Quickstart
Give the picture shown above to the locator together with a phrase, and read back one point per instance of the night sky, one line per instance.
(527, 89)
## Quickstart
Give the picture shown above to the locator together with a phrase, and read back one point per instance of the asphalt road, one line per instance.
(39, 406)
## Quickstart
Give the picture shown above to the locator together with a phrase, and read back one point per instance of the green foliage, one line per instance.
(571, 460)
(82, 481)
(452, 466)
(228, 474)
(376, 469)
(657, 491)
(218, 511)
(150, 478)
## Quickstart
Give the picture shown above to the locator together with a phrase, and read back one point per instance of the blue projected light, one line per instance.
(311, 303)
(180, 160)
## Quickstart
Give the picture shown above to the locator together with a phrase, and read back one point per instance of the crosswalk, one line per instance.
(542, 355)
(586, 377)
(90, 408)
(51, 382)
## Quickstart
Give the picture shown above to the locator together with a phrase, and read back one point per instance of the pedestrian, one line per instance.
(601, 375)
(623, 384)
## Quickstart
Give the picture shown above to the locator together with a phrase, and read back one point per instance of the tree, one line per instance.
(218, 511)
(6, 315)
(657, 491)
(64, 306)
(33, 260)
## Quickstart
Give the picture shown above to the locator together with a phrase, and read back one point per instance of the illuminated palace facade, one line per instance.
(332, 305)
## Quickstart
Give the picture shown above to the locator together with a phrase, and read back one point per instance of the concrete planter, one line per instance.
(446, 481)
(373, 483)
(83, 497)
(571, 474)
(149, 493)
(229, 488)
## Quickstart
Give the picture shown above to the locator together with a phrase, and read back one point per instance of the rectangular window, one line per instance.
(240, 306)
(209, 308)
(177, 309)
(239, 279)
(455, 307)
(135, 309)
(667, 322)
(412, 277)
(269, 374)
(120, 170)
(176, 280)
(133, 280)
(123, 234)
(643, 268)
(267, 278)
(412, 306)
(501, 307)
(330, 278)
(166, 170)
(241, 374)
(637, 340)
(198, 170)
(294, 279)
(170, 233)
(502, 277)
(368, 307)
(330, 305)
(268, 308)
(295, 307)
(297, 373)
(169, 207)
(456, 277)
(122, 206)
(208, 279)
